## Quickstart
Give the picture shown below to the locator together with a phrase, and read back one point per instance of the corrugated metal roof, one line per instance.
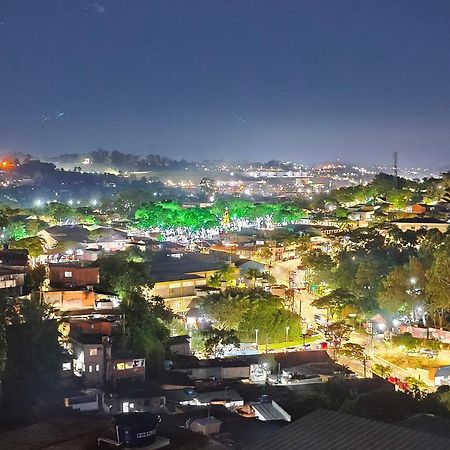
(269, 411)
(330, 430)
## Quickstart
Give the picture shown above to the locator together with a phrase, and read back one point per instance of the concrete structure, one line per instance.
(180, 345)
(206, 369)
(73, 275)
(11, 281)
(97, 365)
(69, 300)
(421, 223)
(206, 425)
(14, 259)
(177, 279)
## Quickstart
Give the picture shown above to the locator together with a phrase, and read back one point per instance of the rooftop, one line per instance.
(324, 430)
(167, 268)
(420, 220)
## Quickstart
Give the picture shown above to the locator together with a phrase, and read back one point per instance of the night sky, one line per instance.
(306, 80)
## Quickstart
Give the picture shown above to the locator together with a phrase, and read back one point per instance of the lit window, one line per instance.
(90, 369)
(68, 274)
(120, 366)
(92, 352)
(97, 367)
(66, 366)
(129, 365)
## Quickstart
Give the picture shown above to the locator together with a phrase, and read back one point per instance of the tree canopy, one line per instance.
(245, 310)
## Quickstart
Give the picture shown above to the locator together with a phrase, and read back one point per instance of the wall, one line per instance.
(67, 300)
(79, 276)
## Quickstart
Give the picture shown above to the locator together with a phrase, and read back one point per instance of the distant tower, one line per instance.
(395, 170)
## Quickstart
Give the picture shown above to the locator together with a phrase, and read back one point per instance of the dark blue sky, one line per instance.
(308, 80)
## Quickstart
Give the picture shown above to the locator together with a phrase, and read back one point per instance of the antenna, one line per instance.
(395, 170)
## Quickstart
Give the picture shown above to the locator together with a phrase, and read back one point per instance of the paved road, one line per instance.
(283, 271)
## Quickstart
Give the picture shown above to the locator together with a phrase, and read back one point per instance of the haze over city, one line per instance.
(307, 81)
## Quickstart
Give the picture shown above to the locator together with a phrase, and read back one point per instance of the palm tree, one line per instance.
(253, 274)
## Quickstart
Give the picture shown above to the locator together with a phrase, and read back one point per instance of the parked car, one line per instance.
(428, 352)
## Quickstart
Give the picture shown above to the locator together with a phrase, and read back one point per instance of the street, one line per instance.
(282, 271)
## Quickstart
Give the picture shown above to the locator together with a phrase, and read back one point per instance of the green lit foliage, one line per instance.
(170, 214)
(17, 231)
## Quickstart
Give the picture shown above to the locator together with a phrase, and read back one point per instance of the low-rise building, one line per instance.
(206, 369)
(97, 364)
(72, 275)
(421, 223)
(180, 345)
(11, 281)
(14, 259)
(69, 300)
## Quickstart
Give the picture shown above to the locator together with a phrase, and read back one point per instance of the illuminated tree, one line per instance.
(217, 338)
(17, 231)
(336, 302)
(59, 211)
(355, 351)
(437, 284)
(403, 287)
(34, 245)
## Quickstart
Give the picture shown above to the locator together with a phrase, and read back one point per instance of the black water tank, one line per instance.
(136, 429)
